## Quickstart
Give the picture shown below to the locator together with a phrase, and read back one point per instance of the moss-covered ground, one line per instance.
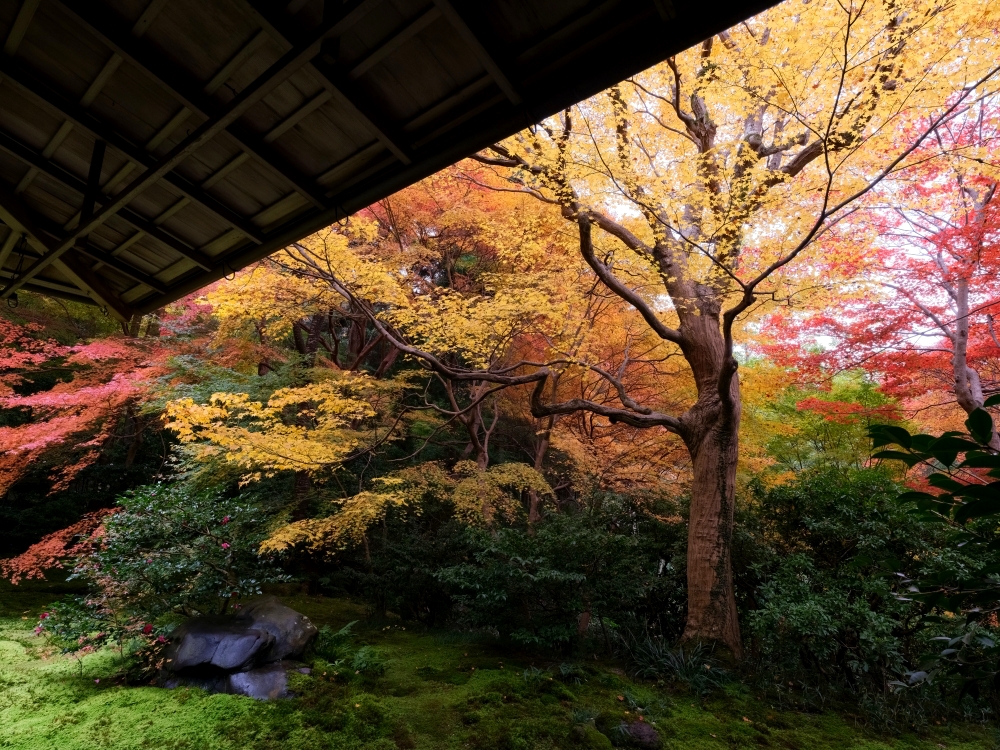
(440, 690)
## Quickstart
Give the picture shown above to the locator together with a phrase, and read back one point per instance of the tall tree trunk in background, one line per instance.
(541, 449)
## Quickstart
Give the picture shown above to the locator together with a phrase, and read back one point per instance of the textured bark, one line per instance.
(712, 612)
(711, 434)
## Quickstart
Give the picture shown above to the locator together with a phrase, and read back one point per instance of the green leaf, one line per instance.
(951, 441)
(946, 458)
(980, 491)
(945, 482)
(908, 458)
(981, 460)
(977, 509)
(886, 434)
(913, 496)
(980, 425)
(993, 400)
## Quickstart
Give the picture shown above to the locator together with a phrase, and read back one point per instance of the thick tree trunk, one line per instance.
(711, 435)
(712, 615)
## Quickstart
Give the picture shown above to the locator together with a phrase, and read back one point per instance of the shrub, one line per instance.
(170, 550)
(541, 588)
(176, 549)
(829, 610)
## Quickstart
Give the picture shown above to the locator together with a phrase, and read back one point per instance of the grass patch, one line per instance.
(438, 692)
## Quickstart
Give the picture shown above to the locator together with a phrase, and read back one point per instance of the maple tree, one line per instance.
(705, 178)
(53, 550)
(588, 294)
(77, 416)
(921, 313)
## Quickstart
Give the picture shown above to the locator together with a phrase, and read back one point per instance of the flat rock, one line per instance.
(265, 683)
(292, 631)
(248, 653)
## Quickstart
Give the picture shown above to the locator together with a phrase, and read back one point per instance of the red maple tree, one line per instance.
(70, 422)
(921, 314)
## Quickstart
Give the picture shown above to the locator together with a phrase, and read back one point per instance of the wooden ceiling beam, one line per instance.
(20, 26)
(52, 289)
(95, 253)
(297, 116)
(76, 271)
(350, 97)
(187, 91)
(52, 170)
(13, 236)
(62, 107)
(264, 84)
(394, 42)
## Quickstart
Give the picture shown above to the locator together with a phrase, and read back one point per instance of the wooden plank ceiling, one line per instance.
(150, 147)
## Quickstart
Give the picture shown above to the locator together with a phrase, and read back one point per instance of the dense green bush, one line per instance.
(397, 571)
(171, 550)
(176, 549)
(570, 576)
(830, 611)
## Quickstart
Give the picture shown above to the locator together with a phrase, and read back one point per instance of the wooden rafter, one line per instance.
(260, 87)
(45, 166)
(190, 94)
(485, 58)
(282, 29)
(363, 128)
(394, 42)
(16, 216)
(20, 26)
(27, 82)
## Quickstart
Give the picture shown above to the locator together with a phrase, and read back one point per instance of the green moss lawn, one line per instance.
(440, 691)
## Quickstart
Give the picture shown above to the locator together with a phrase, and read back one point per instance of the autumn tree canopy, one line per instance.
(697, 192)
(615, 300)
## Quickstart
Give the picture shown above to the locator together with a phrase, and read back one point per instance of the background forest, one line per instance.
(698, 376)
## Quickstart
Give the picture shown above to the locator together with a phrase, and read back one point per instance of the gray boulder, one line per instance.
(292, 631)
(265, 683)
(219, 642)
(245, 654)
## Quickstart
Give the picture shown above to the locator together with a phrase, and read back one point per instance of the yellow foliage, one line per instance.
(311, 428)
(485, 496)
(480, 497)
(263, 302)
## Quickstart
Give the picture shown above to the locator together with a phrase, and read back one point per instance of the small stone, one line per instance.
(642, 735)
(266, 683)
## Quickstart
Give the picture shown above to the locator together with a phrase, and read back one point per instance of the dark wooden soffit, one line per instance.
(150, 147)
